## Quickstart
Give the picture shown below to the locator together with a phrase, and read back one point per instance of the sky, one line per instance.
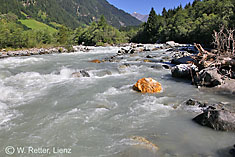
(144, 6)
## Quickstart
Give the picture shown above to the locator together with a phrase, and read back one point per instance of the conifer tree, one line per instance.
(151, 26)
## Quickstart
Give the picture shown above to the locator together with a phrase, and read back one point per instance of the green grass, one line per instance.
(23, 14)
(56, 25)
(36, 25)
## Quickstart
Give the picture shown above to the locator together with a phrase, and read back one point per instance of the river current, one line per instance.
(43, 106)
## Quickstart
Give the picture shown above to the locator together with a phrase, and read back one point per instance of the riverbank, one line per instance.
(60, 49)
(32, 51)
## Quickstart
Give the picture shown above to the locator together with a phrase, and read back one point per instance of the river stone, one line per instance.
(172, 43)
(192, 102)
(84, 73)
(165, 66)
(182, 60)
(81, 73)
(184, 70)
(149, 56)
(157, 66)
(222, 120)
(96, 61)
(208, 77)
(144, 142)
(232, 151)
(147, 85)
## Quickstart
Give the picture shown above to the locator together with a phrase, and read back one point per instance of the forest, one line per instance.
(193, 23)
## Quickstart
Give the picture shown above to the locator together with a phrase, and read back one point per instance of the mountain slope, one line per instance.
(143, 18)
(71, 13)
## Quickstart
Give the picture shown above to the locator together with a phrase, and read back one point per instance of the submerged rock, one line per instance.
(184, 71)
(81, 73)
(228, 86)
(157, 66)
(165, 66)
(147, 85)
(96, 61)
(144, 142)
(149, 56)
(192, 102)
(232, 151)
(182, 60)
(216, 119)
(146, 60)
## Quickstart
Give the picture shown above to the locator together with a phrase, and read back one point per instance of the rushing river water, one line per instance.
(43, 106)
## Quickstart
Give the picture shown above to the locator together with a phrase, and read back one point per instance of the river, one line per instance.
(43, 106)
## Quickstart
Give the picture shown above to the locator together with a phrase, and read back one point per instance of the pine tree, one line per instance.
(151, 26)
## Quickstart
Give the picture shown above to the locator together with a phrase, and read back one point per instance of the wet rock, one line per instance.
(165, 66)
(4, 55)
(149, 56)
(157, 66)
(223, 120)
(155, 48)
(232, 151)
(183, 60)
(192, 102)
(81, 73)
(140, 45)
(144, 142)
(172, 43)
(84, 73)
(208, 77)
(123, 66)
(136, 50)
(96, 61)
(76, 74)
(184, 71)
(147, 61)
(180, 54)
(147, 85)
(122, 51)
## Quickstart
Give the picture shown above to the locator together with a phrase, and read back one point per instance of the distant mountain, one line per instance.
(143, 18)
(71, 13)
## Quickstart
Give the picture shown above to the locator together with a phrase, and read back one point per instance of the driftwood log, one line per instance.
(206, 59)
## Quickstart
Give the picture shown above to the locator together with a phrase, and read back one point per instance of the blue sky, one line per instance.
(144, 6)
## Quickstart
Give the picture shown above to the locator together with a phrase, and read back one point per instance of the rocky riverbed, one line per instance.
(91, 93)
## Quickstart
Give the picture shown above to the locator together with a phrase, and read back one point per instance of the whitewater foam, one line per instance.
(14, 62)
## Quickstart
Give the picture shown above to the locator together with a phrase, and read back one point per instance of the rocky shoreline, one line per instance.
(41, 51)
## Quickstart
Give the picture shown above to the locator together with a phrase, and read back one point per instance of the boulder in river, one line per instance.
(81, 73)
(223, 120)
(184, 70)
(182, 60)
(232, 151)
(208, 77)
(192, 102)
(165, 66)
(172, 43)
(96, 61)
(147, 85)
(149, 56)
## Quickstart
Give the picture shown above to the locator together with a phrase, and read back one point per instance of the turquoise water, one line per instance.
(43, 106)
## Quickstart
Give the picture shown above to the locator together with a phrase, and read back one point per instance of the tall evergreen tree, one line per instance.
(151, 26)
